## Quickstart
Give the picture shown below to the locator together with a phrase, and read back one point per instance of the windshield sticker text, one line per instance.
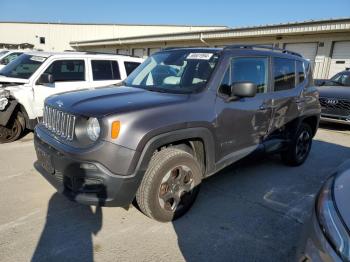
(200, 56)
(37, 58)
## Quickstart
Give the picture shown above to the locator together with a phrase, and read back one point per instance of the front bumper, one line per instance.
(86, 176)
(316, 246)
(335, 119)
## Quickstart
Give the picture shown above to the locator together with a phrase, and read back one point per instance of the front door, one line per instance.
(242, 123)
(68, 75)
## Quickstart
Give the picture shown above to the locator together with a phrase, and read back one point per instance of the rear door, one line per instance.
(285, 94)
(105, 72)
(242, 124)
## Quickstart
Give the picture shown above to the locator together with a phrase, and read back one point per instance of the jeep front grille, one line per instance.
(335, 106)
(60, 123)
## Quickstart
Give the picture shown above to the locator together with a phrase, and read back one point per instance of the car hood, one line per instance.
(111, 100)
(342, 192)
(341, 92)
(5, 81)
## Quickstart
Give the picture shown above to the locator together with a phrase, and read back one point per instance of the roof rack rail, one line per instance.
(272, 48)
(105, 53)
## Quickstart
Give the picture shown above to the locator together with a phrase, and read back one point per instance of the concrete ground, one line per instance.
(251, 211)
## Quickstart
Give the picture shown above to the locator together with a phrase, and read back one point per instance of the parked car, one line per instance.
(8, 56)
(327, 232)
(335, 98)
(32, 77)
(3, 52)
(180, 117)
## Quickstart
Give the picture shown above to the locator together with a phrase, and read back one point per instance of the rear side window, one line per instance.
(67, 70)
(284, 73)
(300, 72)
(250, 69)
(130, 66)
(105, 70)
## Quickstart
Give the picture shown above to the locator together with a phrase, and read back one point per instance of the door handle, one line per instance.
(265, 107)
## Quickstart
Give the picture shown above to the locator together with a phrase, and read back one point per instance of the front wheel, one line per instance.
(170, 185)
(299, 148)
(12, 131)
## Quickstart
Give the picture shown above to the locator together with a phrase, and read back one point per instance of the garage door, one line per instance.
(307, 50)
(139, 52)
(122, 51)
(340, 57)
(153, 50)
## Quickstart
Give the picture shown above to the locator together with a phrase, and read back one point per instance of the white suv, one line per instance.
(27, 81)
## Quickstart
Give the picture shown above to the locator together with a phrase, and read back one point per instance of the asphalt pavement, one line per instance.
(254, 210)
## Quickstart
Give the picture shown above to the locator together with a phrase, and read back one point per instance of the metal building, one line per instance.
(326, 43)
(57, 36)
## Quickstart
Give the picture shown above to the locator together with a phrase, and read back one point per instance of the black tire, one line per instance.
(299, 148)
(162, 195)
(12, 131)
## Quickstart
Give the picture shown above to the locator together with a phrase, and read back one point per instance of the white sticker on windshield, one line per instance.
(37, 58)
(200, 56)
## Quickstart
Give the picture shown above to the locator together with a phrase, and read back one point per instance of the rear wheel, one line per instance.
(299, 148)
(12, 131)
(170, 185)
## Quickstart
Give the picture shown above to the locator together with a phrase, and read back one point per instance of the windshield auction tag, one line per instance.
(200, 56)
(38, 58)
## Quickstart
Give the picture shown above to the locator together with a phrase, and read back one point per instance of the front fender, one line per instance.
(6, 114)
(145, 153)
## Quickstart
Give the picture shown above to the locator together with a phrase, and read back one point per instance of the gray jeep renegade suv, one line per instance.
(180, 117)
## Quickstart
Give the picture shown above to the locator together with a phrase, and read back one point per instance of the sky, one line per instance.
(178, 12)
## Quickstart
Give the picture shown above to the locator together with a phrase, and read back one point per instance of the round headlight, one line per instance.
(93, 129)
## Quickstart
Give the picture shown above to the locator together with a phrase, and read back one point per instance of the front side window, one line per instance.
(23, 67)
(283, 73)
(179, 71)
(250, 69)
(246, 69)
(67, 70)
(9, 58)
(105, 70)
(130, 67)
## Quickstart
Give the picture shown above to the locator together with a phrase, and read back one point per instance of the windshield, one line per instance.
(341, 79)
(174, 71)
(23, 67)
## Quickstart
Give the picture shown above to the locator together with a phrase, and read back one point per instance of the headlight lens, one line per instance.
(331, 223)
(3, 103)
(93, 129)
(4, 93)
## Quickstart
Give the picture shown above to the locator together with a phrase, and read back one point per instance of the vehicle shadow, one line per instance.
(255, 210)
(68, 231)
(335, 126)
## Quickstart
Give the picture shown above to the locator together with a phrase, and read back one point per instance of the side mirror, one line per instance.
(243, 89)
(45, 78)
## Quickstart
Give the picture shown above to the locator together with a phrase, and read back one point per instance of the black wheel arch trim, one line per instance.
(144, 156)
